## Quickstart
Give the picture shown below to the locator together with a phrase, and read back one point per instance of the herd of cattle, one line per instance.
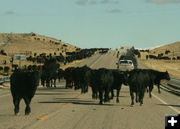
(162, 56)
(68, 57)
(79, 54)
(102, 82)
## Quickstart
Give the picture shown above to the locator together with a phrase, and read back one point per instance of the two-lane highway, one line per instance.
(59, 108)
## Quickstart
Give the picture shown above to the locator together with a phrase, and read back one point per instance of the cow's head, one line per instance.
(166, 75)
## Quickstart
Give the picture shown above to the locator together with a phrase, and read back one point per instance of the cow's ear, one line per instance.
(166, 71)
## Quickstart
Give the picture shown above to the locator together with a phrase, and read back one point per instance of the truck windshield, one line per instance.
(125, 62)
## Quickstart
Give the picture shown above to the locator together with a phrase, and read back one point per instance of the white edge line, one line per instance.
(174, 109)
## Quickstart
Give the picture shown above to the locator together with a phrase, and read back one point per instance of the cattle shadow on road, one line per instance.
(50, 93)
(97, 103)
(75, 101)
(169, 105)
(120, 96)
(52, 88)
(66, 98)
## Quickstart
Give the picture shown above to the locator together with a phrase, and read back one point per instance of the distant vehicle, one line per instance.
(131, 57)
(125, 65)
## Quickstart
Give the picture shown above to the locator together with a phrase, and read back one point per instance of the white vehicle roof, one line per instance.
(126, 61)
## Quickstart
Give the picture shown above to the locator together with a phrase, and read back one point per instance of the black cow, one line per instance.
(43, 77)
(140, 79)
(50, 72)
(101, 81)
(76, 77)
(23, 86)
(178, 57)
(155, 78)
(80, 80)
(120, 78)
(152, 57)
(68, 76)
(1, 68)
(60, 74)
(14, 66)
(137, 84)
(164, 58)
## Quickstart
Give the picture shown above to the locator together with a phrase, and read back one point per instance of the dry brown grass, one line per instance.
(28, 44)
(172, 66)
(174, 49)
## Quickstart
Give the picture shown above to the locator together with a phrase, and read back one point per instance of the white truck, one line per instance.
(125, 65)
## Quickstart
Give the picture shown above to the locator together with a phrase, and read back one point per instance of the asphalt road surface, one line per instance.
(60, 108)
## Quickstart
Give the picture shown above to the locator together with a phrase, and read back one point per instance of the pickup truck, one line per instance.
(125, 65)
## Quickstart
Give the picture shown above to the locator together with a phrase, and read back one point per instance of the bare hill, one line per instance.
(174, 49)
(30, 43)
(172, 66)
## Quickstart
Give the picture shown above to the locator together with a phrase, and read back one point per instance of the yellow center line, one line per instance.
(42, 117)
(63, 106)
(45, 116)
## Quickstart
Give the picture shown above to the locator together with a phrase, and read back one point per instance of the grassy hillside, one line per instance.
(172, 66)
(32, 43)
(174, 49)
(28, 44)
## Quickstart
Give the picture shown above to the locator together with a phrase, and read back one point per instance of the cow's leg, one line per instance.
(72, 83)
(27, 102)
(47, 83)
(51, 82)
(16, 101)
(150, 90)
(118, 91)
(42, 82)
(147, 90)
(132, 97)
(141, 96)
(96, 94)
(86, 88)
(158, 88)
(93, 92)
(106, 95)
(55, 82)
(117, 95)
(104, 98)
(67, 83)
(137, 97)
(140, 99)
(112, 93)
(100, 96)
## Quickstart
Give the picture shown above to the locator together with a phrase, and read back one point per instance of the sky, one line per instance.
(95, 23)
